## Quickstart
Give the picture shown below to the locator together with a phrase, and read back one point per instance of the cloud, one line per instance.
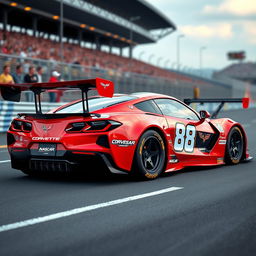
(222, 30)
(233, 7)
(250, 31)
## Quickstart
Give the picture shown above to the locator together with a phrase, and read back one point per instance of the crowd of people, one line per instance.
(34, 75)
(24, 45)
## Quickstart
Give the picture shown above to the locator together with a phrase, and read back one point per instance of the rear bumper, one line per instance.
(64, 162)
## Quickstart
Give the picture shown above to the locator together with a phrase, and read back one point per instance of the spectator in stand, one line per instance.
(5, 77)
(31, 77)
(18, 75)
(52, 93)
(40, 72)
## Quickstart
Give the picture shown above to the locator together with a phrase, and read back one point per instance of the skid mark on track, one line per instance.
(75, 211)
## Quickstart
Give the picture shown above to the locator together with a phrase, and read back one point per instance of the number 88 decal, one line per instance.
(184, 138)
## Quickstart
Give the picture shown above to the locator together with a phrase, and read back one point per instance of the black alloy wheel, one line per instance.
(150, 155)
(235, 146)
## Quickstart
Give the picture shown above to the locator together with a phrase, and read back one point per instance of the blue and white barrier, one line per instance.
(9, 110)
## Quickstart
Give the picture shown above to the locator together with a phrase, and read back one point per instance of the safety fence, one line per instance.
(126, 82)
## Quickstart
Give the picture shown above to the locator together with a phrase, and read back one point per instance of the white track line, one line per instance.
(5, 161)
(75, 211)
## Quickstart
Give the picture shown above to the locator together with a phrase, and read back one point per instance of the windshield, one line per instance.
(95, 104)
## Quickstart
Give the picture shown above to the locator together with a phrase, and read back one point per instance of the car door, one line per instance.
(191, 137)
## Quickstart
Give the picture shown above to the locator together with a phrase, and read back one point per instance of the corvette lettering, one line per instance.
(123, 143)
(46, 138)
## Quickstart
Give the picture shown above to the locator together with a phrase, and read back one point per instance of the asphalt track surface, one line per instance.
(206, 211)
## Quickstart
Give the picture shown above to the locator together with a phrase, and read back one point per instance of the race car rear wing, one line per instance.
(244, 101)
(12, 92)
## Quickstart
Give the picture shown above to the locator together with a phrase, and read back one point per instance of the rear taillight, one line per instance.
(93, 126)
(20, 126)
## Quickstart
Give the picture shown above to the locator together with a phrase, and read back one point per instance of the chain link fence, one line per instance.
(124, 82)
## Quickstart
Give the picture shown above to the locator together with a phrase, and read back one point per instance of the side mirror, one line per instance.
(204, 114)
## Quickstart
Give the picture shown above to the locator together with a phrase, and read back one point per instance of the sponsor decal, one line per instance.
(173, 159)
(104, 85)
(46, 149)
(222, 142)
(123, 143)
(46, 138)
(204, 136)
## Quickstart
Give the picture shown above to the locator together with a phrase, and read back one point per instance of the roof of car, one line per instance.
(146, 94)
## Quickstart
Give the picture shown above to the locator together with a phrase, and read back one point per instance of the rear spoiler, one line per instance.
(244, 101)
(104, 88)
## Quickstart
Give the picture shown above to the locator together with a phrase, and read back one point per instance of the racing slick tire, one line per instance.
(149, 158)
(235, 146)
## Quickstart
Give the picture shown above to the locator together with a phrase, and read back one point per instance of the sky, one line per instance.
(218, 25)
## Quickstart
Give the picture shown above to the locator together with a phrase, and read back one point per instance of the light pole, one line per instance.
(202, 48)
(132, 19)
(150, 57)
(141, 54)
(61, 31)
(178, 50)
(174, 64)
(166, 63)
(158, 61)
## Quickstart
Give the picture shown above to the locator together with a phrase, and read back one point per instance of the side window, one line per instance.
(175, 109)
(148, 106)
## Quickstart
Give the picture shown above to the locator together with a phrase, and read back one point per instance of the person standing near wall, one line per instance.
(5, 77)
(54, 78)
(18, 75)
(40, 72)
(31, 77)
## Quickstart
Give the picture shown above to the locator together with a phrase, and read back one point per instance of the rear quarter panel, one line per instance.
(134, 125)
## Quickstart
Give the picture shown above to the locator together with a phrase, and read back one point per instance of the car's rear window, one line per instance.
(95, 104)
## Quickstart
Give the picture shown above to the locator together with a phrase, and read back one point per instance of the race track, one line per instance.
(207, 211)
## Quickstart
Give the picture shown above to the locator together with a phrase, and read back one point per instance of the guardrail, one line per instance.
(9, 110)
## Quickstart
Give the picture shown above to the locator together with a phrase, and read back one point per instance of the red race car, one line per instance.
(144, 134)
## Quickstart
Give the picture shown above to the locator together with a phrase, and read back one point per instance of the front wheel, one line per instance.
(235, 146)
(149, 159)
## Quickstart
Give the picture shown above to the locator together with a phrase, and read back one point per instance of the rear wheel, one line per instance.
(235, 146)
(150, 156)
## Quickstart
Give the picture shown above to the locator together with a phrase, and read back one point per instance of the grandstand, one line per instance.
(241, 71)
(30, 33)
(114, 23)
